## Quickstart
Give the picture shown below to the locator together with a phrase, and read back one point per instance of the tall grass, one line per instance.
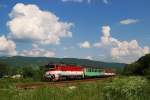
(131, 88)
(119, 88)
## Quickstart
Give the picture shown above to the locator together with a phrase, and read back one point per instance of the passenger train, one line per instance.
(56, 72)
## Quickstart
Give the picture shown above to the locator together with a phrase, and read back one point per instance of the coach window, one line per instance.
(93, 70)
(89, 69)
(96, 70)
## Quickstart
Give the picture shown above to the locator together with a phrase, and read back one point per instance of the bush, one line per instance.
(131, 88)
(35, 74)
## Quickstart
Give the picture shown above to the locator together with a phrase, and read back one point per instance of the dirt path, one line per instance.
(59, 83)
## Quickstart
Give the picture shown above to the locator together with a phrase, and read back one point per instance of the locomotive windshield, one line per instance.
(49, 67)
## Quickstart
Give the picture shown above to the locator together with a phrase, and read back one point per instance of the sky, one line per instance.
(104, 30)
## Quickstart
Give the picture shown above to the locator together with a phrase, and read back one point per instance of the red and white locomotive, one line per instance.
(63, 72)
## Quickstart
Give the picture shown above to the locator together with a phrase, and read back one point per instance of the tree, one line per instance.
(4, 69)
(27, 72)
(34, 73)
(140, 67)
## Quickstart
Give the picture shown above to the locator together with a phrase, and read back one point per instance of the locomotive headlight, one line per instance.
(47, 73)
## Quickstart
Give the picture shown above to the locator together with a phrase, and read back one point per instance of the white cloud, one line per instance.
(123, 51)
(129, 21)
(81, 1)
(85, 44)
(97, 45)
(131, 48)
(69, 48)
(89, 57)
(30, 23)
(105, 1)
(35, 45)
(37, 52)
(7, 47)
(105, 39)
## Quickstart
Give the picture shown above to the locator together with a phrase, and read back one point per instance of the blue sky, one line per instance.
(120, 28)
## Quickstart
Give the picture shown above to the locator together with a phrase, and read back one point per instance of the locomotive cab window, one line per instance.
(50, 67)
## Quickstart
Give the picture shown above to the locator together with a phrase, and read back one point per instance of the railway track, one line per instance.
(58, 83)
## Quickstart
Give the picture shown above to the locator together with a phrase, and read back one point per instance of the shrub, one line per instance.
(131, 88)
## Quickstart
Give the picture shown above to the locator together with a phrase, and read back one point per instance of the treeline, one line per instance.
(140, 67)
(25, 72)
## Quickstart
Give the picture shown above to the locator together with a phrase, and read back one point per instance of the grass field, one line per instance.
(118, 88)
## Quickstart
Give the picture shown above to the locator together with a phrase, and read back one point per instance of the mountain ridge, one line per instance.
(21, 61)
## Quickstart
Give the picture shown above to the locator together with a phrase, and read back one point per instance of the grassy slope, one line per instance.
(119, 88)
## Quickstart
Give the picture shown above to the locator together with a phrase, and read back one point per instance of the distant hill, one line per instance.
(20, 61)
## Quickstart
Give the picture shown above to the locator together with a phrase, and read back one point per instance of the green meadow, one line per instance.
(118, 88)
